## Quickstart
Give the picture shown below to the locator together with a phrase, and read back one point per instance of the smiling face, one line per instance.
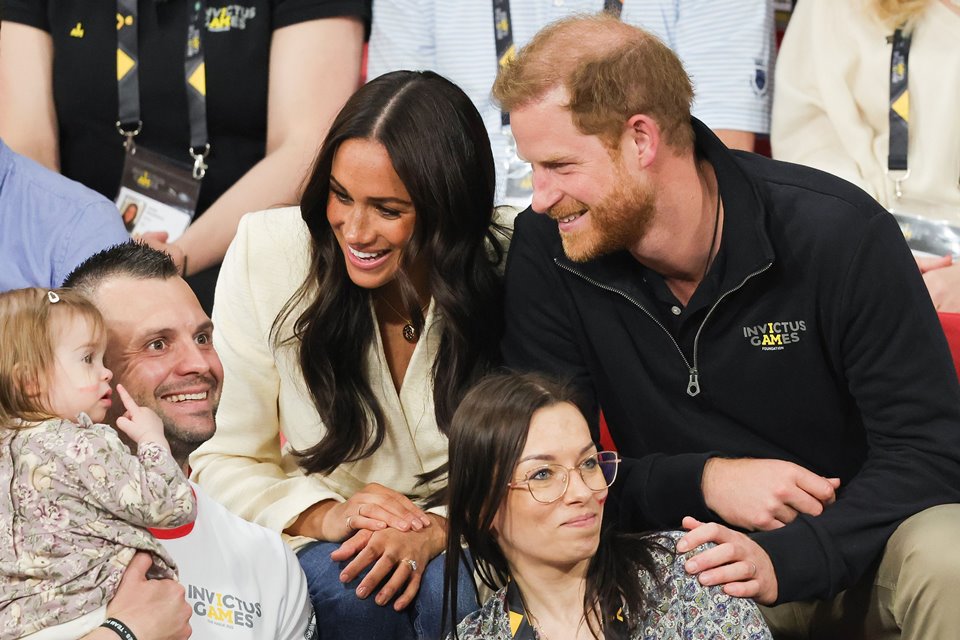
(564, 533)
(370, 212)
(599, 205)
(160, 347)
(79, 383)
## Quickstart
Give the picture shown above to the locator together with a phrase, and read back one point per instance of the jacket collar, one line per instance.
(744, 240)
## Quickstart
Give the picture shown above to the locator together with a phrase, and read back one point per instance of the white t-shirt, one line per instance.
(242, 581)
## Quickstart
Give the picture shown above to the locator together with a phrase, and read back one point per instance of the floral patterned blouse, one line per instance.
(686, 609)
(73, 509)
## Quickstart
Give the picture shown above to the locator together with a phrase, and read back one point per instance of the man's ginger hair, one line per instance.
(610, 72)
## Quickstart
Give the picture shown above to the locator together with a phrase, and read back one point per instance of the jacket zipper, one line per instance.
(693, 382)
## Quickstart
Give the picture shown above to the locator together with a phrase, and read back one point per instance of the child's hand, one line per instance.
(140, 424)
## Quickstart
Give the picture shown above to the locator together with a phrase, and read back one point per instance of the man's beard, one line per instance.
(619, 221)
(183, 442)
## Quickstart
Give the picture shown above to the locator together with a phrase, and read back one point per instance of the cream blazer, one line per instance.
(831, 103)
(243, 466)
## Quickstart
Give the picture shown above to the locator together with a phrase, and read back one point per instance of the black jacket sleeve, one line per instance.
(897, 367)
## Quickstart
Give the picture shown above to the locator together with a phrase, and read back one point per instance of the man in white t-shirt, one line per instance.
(241, 580)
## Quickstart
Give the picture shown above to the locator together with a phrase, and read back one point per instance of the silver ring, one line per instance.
(412, 563)
(753, 566)
(349, 526)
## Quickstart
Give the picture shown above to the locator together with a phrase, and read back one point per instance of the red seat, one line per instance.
(951, 329)
(606, 440)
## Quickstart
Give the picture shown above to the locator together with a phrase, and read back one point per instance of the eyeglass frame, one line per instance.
(525, 483)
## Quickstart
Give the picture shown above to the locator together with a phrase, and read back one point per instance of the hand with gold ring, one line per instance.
(396, 561)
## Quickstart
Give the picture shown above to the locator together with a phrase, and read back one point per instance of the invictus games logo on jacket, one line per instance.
(223, 609)
(229, 17)
(773, 336)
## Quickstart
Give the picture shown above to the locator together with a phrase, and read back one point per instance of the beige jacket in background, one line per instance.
(830, 108)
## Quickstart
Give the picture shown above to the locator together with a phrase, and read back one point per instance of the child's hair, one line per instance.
(29, 319)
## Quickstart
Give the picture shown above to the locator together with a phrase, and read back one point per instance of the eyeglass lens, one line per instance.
(549, 482)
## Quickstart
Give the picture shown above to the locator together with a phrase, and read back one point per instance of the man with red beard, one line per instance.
(763, 350)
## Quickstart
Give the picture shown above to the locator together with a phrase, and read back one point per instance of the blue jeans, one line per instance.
(341, 615)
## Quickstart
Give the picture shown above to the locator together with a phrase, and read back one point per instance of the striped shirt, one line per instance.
(725, 45)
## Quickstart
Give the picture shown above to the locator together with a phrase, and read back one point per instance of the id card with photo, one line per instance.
(156, 193)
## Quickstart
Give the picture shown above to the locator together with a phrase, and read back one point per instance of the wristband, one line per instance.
(119, 628)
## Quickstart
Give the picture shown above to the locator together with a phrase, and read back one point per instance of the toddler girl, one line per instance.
(74, 502)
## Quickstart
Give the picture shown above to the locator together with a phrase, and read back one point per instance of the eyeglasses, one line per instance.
(549, 482)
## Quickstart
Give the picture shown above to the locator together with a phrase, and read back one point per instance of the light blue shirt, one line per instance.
(725, 45)
(48, 224)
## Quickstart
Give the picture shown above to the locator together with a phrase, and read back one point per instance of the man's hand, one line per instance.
(389, 551)
(737, 563)
(153, 609)
(763, 494)
(944, 285)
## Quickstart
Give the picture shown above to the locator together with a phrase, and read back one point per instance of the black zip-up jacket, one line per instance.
(817, 344)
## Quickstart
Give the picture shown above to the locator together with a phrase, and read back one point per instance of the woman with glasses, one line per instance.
(526, 493)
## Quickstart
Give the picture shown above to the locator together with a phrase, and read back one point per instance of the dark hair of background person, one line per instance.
(487, 437)
(130, 259)
(439, 148)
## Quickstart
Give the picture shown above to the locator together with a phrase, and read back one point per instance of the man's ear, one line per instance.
(644, 137)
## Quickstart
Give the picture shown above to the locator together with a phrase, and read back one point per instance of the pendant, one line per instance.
(410, 333)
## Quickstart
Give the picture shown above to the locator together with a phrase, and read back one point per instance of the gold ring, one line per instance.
(753, 566)
(349, 526)
(359, 509)
(412, 564)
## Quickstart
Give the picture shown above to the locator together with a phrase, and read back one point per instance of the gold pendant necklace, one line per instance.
(410, 333)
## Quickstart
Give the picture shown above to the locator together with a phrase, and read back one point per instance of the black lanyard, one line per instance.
(899, 108)
(503, 35)
(128, 80)
(615, 627)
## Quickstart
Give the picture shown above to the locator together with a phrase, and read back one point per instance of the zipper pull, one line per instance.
(693, 386)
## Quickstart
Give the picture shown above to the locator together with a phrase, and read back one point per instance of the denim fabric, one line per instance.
(341, 615)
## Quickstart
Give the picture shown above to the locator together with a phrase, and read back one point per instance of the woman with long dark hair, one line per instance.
(352, 327)
(526, 493)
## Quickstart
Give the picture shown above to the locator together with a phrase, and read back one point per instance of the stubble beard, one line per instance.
(619, 221)
(184, 441)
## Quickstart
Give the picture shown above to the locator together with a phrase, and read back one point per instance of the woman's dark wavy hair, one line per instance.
(487, 437)
(439, 148)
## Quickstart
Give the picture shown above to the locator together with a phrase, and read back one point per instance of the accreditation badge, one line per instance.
(519, 182)
(156, 193)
